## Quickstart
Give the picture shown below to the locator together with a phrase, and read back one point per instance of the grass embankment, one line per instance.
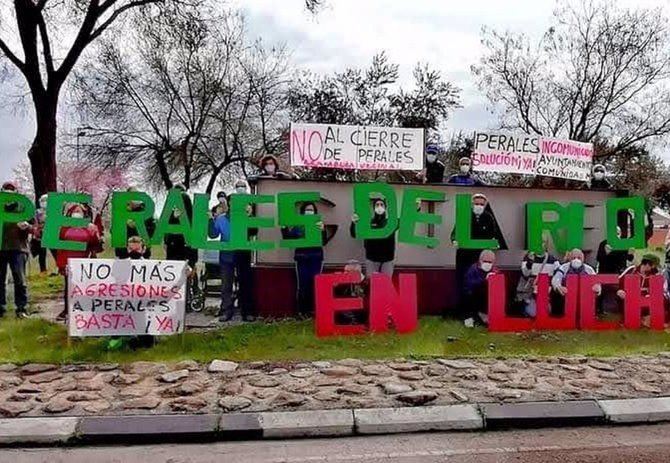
(40, 341)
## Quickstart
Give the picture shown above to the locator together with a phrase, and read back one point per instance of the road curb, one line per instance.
(131, 429)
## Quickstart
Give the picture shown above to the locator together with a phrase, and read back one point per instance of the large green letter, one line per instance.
(363, 195)
(175, 200)
(55, 220)
(23, 210)
(636, 204)
(464, 226)
(411, 216)
(567, 232)
(241, 222)
(121, 216)
(287, 204)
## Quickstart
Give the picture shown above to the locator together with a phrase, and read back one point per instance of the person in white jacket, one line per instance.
(575, 265)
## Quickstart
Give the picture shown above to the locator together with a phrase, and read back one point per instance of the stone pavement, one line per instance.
(189, 387)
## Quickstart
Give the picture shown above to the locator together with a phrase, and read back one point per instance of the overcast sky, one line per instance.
(445, 34)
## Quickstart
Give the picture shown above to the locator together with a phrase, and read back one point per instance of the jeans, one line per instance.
(227, 277)
(245, 283)
(16, 260)
(530, 307)
(306, 270)
(378, 267)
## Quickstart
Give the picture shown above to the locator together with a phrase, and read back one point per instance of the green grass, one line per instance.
(42, 287)
(40, 341)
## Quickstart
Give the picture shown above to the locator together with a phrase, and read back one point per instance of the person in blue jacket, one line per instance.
(220, 228)
(308, 261)
(465, 177)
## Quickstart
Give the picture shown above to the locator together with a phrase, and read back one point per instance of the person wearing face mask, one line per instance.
(241, 187)
(532, 266)
(175, 244)
(132, 231)
(270, 168)
(220, 228)
(221, 206)
(483, 225)
(598, 180)
(14, 254)
(574, 265)
(36, 248)
(88, 235)
(308, 261)
(464, 177)
(476, 288)
(380, 252)
(434, 171)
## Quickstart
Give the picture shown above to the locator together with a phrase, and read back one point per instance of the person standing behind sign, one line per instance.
(379, 252)
(132, 231)
(220, 228)
(434, 171)
(89, 236)
(598, 180)
(308, 261)
(14, 253)
(270, 168)
(244, 273)
(483, 226)
(465, 177)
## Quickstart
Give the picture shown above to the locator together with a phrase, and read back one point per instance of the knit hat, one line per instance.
(433, 149)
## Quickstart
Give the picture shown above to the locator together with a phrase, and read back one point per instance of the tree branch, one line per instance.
(102, 27)
(11, 56)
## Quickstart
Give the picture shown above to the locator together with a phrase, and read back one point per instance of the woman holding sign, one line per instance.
(308, 261)
(379, 253)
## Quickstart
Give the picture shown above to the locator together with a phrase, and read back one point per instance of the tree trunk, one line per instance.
(42, 152)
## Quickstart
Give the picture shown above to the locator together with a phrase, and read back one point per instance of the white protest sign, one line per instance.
(356, 147)
(565, 159)
(508, 153)
(108, 297)
(532, 155)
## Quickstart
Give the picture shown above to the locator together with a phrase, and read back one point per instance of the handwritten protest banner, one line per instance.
(508, 153)
(108, 297)
(532, 155)
(564, 159)
(356, 147)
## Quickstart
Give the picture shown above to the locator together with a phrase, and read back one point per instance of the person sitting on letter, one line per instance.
(476, 288)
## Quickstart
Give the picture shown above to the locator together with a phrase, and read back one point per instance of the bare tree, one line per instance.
(189, 97)
(599, 73)
(45, 43)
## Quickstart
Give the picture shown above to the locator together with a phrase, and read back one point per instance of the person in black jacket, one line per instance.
(175, 245)
(434, 171)
(483, 225)
(379, 253)
(131, 231)
(308, 261)
(598, 181)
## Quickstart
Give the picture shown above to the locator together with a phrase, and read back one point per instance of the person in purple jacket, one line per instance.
(476, 288)
(465, 177)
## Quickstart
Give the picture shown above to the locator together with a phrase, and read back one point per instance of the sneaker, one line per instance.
(469, 322)
(484, 318)
(61, 316)
(22, 315)
(249, 318)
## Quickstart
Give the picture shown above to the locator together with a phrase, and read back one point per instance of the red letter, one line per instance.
(587, 308)
(635, 301)
(327, 305)
(498, 319)
(544, 320)
(387, 304)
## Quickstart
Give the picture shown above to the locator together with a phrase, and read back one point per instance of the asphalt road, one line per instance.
(640, 444)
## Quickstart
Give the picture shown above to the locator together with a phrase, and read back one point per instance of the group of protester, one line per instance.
(473, 266)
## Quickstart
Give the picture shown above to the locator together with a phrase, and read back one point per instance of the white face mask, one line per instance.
(465, 168)
(222, 200)
(77, 215)
(380, 210)
(43, 204)
(270, 169)
(478, 209)
(487, 266)
(431, 158)
(598, 175)
(576, 263)
(176, 213)
(310, 212)
(240, 189)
